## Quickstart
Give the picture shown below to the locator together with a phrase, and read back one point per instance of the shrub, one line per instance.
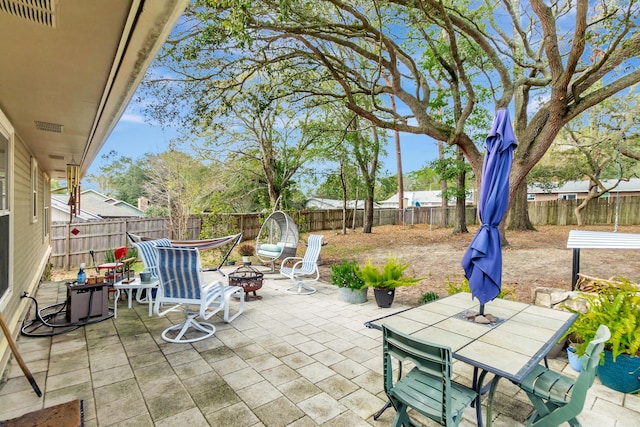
(345, 275)
(246, 249)
(617, 307)
(387, 276)
(454, 287)
(428, 297)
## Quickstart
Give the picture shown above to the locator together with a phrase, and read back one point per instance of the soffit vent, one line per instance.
(41, 12)
(48, 127)
(56, 157)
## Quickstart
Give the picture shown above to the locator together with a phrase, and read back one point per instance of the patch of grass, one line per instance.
(428, 297)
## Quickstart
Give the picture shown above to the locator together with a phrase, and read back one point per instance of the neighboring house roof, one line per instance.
(320, 203)
(60, 210)
(583, 186)
(99, 205)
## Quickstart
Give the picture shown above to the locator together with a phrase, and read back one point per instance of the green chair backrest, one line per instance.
(590, 361)
(429, 358)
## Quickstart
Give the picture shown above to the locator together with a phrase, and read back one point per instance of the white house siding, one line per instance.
(30, 250)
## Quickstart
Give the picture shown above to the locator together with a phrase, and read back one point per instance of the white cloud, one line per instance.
(131, 117)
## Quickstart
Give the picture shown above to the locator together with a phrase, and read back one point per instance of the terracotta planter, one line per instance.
(384, 297)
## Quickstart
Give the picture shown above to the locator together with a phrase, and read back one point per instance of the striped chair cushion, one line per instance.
(147, 251)
(179, 272)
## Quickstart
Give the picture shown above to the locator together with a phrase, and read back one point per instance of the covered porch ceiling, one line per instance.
(68, 69)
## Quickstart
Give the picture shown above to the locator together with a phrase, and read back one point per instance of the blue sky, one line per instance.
(133, 137)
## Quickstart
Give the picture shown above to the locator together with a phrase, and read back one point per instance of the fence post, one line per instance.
(67, 245)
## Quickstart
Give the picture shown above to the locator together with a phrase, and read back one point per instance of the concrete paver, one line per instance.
(288, 360)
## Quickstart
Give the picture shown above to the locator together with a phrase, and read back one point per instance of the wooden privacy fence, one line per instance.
(598, 211)
(71, 243)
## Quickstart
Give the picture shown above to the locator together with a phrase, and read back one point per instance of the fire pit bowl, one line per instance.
(249, 278)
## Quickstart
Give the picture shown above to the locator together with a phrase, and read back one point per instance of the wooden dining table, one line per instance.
(519, 339)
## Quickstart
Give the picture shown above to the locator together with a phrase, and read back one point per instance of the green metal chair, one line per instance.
(558, 399)
(427, 388)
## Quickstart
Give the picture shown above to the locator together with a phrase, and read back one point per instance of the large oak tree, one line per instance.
(546, 62)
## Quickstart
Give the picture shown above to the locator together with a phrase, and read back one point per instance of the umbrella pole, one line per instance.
(481, 309)
(14, 350)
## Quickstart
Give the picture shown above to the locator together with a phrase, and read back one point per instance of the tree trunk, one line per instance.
(344, 198)
(444, 203)
(367, 221)
(461, 202)
(519, 211)
(398, 163)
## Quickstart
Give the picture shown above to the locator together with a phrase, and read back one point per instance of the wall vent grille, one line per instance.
(56, 157)
(41, 12)
(48, 127)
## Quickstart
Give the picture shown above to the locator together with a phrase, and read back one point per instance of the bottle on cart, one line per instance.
(82, 276)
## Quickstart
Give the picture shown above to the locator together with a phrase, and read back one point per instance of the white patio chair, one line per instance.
(306, 266)
(181, 283)
(148, 255)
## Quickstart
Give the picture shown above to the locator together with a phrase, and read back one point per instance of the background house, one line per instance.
(431, 198)
(69, 68)
(320, 203)
(572, 190)
(93, 205)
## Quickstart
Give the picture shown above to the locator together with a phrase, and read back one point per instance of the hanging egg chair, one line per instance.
(277, 239)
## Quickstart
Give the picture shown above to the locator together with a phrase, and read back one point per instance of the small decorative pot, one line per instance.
(384, 297)
(353, 296)
(574, 360)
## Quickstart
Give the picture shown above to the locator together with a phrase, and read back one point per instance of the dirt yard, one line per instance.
(532, 259)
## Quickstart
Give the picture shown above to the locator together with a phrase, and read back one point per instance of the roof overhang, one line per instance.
(68, 73)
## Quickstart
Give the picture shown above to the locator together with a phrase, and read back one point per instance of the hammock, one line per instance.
(201, 245)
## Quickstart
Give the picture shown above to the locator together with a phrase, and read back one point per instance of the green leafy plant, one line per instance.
(345, 275)
(428, 297)
(47, 274)
(109, 256)
(387, 276)
(246, 249)
(617, 307)
(454, 287)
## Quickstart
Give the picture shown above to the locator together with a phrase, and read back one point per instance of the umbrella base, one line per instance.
(482, 319)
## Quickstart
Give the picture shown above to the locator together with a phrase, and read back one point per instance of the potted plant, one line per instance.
(352, 288)
(384, 279)
(618, 307)
(246, 250)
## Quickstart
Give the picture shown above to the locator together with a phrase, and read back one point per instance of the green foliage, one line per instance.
(109, 256)
(345, 275)
(428, 297)
(216, 225)
(46, 274)
(617, 307)
(454, 287)
(387, 276)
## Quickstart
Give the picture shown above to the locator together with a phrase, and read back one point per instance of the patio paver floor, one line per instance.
(288, 360)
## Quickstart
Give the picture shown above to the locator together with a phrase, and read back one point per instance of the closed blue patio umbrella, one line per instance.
(482, 262)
